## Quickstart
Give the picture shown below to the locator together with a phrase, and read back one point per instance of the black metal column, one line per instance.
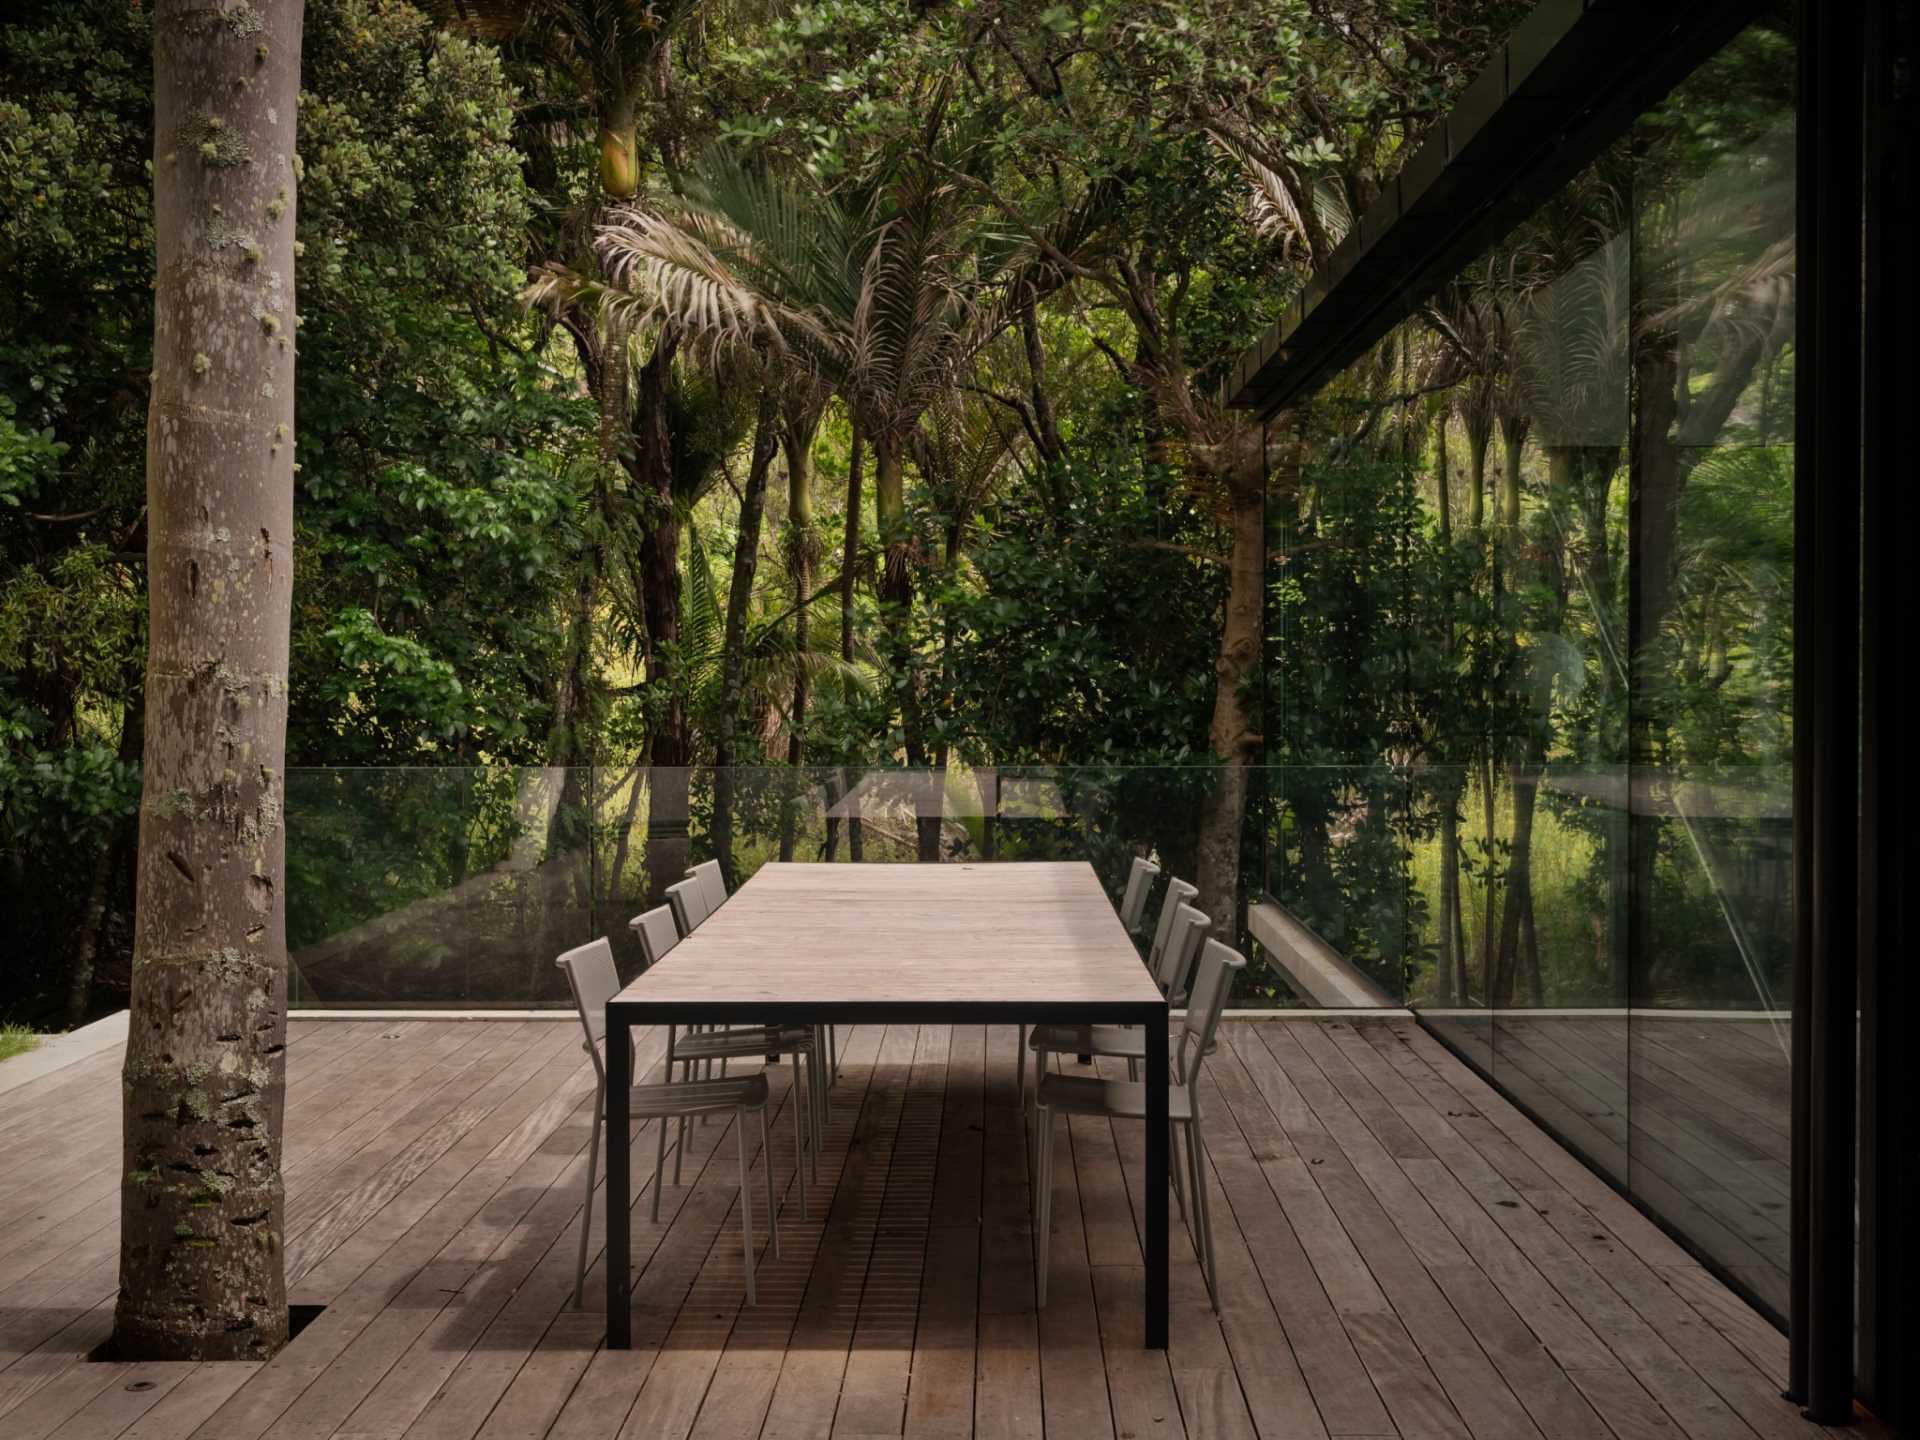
(1890, 788)
(1826, 700)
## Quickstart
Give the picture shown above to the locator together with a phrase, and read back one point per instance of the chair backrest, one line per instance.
(1179, 893)
(1133, 900)
(689, 902)
(594, 981)
(1189, 927)
(712, 883)
(657, 931)
(1212, 983)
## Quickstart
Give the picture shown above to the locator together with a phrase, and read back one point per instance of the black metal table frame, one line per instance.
(625, 1014)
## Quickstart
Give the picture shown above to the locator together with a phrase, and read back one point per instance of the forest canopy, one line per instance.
(697, 389)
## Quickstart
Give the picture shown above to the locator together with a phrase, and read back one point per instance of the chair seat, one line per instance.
(1120, 1099)
(1126, 1042)
(741, 1043)
(1130, 1044)
(698, 1097)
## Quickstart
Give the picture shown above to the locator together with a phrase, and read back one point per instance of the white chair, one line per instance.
(1133, 905)
(1179, 893)
(700, 1047)
(712, 887)
(1127, 1100)
(594, 981)
(1125, 1041)
(1133, 900)
(712, 883)
(688, 900)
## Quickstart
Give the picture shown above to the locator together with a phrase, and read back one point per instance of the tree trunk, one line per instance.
(651, 468)
(1047, 438)
(202, 1206)
(896, 598)
(1233, 734)
(573, 725)
(801, 544)
(1447, 968)
(733, 645)
(1513, 436)
(1478, 439)
(849, 573)
(1525, 777)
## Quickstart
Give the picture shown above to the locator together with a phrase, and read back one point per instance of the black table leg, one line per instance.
(1157, 1177)
(619, 1183)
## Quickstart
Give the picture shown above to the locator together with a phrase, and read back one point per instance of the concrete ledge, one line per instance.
(1313, 967)
(56, 1052)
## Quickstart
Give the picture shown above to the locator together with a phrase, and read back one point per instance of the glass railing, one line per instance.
(458, 887)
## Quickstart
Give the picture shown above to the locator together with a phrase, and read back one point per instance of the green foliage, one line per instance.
(16, 1040)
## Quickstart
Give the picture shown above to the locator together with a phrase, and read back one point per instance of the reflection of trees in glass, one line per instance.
(1618, 369)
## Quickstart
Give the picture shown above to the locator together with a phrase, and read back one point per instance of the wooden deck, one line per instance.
(1401, 1253)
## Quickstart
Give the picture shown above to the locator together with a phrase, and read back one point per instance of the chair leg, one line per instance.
(746, 1203)
(795, 1101)
(586, 1210)
(766, 1163)
(818, 1114)
(1043, 1204)
(1133, 1070)
(1197, 1157)
(659, 1167)
(1020, 1072)
(1173, 1167)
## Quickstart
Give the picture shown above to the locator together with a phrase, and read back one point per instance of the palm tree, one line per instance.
(882, 289)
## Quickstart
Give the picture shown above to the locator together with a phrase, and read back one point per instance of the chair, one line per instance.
(712, 883)
(1127, 1100)
(658, 934)
(1125, 1041)
(1133, 900)
(594, 981)
(1133, 905)
(1179, 893)
(688, 900)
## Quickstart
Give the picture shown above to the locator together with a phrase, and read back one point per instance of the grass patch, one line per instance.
(16, 1040)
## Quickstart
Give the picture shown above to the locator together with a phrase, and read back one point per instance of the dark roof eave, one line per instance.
(1567, 82)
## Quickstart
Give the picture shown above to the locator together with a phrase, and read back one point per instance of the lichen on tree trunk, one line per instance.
(202, 1207)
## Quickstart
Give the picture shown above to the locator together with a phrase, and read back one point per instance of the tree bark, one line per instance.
(797, 434)
(896, 598)
(202, 1213)
(651, 469)
(849, 573)
(1479, 437)
(1233, 733)
(733, 644)
(1525, 777)
(1513, 436)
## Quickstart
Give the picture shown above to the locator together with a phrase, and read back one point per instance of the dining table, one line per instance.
(814, 944)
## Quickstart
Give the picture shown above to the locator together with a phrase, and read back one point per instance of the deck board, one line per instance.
(1402, 1253)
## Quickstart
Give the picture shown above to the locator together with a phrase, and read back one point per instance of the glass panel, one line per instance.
(1528, 667)
(1712, 709)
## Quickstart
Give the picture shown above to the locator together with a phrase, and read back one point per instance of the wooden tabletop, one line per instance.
(1016, 941)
